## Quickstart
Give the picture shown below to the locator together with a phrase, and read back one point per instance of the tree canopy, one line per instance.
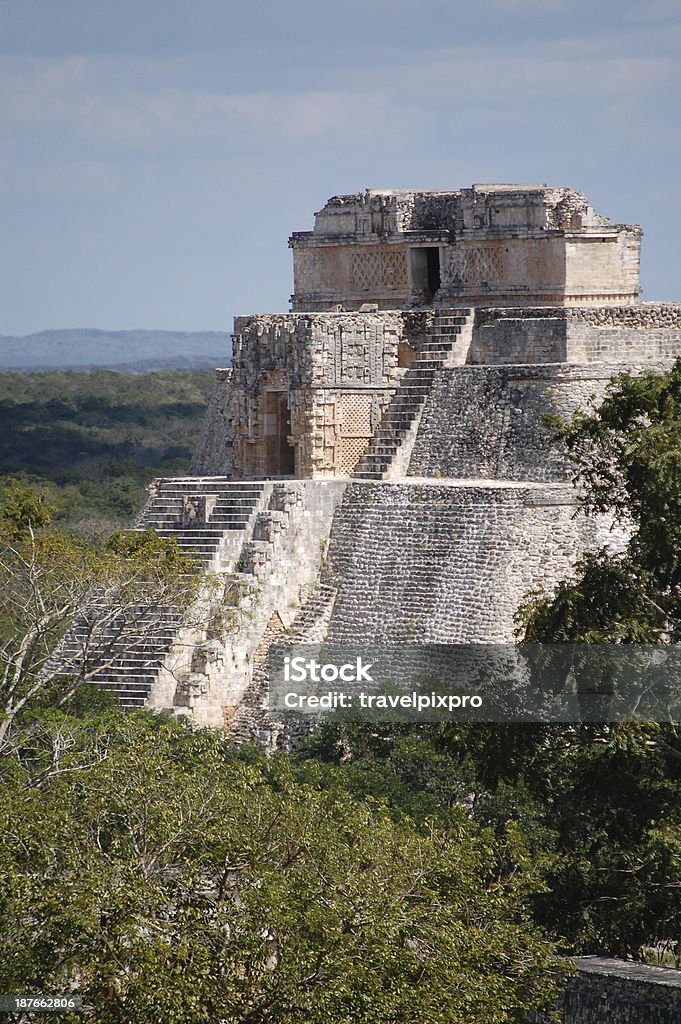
(168, 879)
(627, 460)
(161, 876)
(93, 440)
(68, 607)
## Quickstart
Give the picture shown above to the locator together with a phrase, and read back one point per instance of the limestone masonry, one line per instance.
(374, 465)
(502, 245)
(607, 991)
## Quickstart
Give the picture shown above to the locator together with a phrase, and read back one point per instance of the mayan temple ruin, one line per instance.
(374, 465)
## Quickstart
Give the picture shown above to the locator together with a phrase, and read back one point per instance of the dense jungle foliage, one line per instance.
(95, 439)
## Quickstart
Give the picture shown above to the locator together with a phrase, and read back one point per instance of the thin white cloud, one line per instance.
(37, 90)
(464, 75)
(130, 106)
(177, 117)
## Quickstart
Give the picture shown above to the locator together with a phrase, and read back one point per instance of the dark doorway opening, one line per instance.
(280, 456)
(425, 270)
(287, 460)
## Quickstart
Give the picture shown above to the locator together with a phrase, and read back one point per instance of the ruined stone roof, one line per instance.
(503, 205)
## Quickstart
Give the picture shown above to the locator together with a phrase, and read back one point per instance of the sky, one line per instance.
(155, 155)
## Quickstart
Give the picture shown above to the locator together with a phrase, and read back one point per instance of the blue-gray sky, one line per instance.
(156, 154)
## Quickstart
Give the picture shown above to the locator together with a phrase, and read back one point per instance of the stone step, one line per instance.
(219, 493)
(134, 665)
(392, 428)
(221, 515)
(208, 481)
(387, 437)
(382, 452)
(129, 684)
(453, 311)
(411, 391)
(410, 396)
(130, 688)
(204, 529)
(404, 409)
(130, 701)
(172, 502)
(75, 647)
(181, 485)
(429, 364)
(387, 427)
(166, 529)
(128, 676)
(176, 493)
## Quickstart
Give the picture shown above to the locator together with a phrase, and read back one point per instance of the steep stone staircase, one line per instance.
(130, 648)
(225, 507)
(446, 345)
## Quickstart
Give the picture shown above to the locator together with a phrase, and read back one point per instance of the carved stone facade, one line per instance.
(488, 244)
(305, 392)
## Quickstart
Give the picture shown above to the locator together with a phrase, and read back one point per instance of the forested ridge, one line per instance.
(95, 439)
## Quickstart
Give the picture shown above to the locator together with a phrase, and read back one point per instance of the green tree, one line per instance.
(23, 509)
(171, 881)
(612, 793)
(95, 439)
(67, 608)
(627, 459)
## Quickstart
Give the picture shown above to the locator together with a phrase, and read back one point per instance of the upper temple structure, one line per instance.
(501, 245)
(392, 286)
(375, 465)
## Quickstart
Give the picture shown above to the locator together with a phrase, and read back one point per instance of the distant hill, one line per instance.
(125, 351)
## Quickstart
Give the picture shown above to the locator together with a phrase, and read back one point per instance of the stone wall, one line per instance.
(550, 334)
(352, 275)
(609, 991)
(506, 270)
(275, 570)
(307, 391)
(514, 336)
(214, 455)
(441, 563)
(304, 395)
(485, 422)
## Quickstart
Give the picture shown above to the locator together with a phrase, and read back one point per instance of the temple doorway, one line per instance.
(424, 266)
(279, 454)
